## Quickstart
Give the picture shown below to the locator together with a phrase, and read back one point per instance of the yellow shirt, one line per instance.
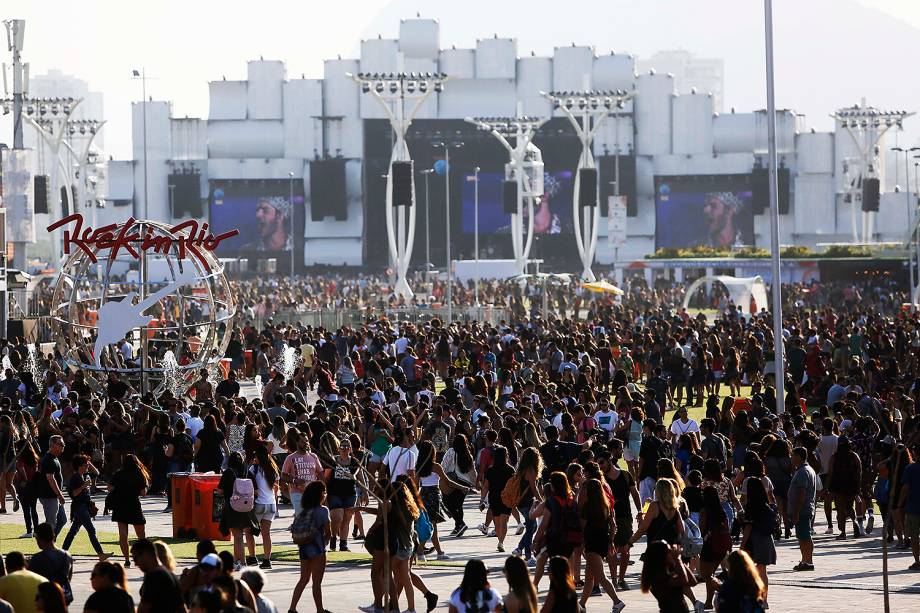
(19, 589)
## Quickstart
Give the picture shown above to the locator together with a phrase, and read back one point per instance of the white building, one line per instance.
(268, 126)
(705, 75)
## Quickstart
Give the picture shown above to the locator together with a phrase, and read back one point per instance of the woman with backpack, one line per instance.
(493, 484)
(599, 528)
(238, 491)
(560, 527)
(311, 530)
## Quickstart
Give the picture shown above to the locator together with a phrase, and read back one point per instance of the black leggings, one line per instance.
(453, 502)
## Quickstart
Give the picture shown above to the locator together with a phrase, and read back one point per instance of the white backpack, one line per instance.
(243, 497)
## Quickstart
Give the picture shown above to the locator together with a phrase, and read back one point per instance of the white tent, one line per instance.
(740, 290)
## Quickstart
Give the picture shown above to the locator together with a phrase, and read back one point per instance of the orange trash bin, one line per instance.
(248, 360)
(181, 486)
(207, 507)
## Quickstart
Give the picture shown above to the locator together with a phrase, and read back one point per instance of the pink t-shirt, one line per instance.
(304, 466)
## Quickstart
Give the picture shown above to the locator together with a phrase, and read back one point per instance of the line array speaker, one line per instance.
(510, 196)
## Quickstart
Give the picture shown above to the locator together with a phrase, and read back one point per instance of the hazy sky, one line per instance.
(829, 52)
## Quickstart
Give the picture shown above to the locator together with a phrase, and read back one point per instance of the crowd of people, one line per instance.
(578, 437)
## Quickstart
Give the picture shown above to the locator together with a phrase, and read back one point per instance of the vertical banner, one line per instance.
(616, 221)
(18, 195)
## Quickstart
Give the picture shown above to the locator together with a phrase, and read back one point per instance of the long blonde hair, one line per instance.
(667, 495)
(165, 555)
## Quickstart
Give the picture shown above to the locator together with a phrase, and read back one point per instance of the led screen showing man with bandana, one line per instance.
(710, 210)
(262, 211)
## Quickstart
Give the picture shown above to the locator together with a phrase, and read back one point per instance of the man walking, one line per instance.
(50, 483)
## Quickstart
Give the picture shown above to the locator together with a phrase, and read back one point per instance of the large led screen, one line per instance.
(552, 216)
(262, 211)
(703, 210)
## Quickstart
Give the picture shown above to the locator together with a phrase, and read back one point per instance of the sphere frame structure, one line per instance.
(174, 277)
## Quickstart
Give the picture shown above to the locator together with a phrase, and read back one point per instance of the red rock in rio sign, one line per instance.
(115, 237)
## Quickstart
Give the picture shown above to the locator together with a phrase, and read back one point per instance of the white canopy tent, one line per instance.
(740, 290)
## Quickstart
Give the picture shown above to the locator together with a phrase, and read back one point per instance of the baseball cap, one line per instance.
(509, 405)
(212, 560)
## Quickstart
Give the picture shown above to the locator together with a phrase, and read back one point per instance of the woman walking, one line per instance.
(9, 436)
(341, 479)
(82, 509)
(496, 477)
(528, 472)
(311, 530)
(126, 488)
(458, 464)
(717, 540)
(26, 465)
(760, 522)
(209, 443)
(430, 473)
(264, 475)
(599, 527)
(237, 523)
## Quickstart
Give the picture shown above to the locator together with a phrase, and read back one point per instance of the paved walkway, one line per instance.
(848, 574)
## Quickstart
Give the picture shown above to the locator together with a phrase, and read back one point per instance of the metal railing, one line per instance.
(332, 319)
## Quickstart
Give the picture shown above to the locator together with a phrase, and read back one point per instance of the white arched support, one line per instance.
(740, 290)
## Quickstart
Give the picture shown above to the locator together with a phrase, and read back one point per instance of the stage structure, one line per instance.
(587, 110)
(393, 90)
(525, 168)
(866, 126)
(740, 290)
(174, 308)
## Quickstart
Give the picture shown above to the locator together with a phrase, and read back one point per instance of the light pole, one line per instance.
(450, 275)
(910, 226)
(391, 90)
(525, 167)
(427, 174)
(291, 219)
(774, 216)
(592, 107)
(142, 75)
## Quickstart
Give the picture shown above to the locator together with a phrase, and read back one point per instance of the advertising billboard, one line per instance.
(552, 216)
(262, 211)
(703, 210)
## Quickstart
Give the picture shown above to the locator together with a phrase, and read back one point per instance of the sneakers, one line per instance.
(618, 607)
(332, 543)
(431, 600)
(520, 529)
(462, 530)
(532, 562)
(483, 529)
(251, 561)
(492, 532)
(870, 524)
(842, 536)
(443, 556)
(26, 535)
(343, 546)
(596, 591)
(237, 566)
(516, 552)
(801, 566)
(370, 608)
(501, 548)
(622, 585)
(266, 564)
(455, 531)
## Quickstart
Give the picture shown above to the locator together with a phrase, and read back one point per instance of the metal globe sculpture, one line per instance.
(143, 299)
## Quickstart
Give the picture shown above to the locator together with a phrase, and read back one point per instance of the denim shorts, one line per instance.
(803, 526)
(338, 502)
(264, 512)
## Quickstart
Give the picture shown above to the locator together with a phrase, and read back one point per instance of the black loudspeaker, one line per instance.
(328, 197)
(402, 183)
(760, 190)
(782, 186)
(509, 197)
(65, 202)
(41, 193)
(185, 194)
(870, 195)
(26, 329)
(587, 194)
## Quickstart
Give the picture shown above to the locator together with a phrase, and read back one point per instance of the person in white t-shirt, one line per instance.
(606, 418)
(684, 425)
(401, 458)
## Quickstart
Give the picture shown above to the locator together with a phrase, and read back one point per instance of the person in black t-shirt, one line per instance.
(49, 483)
(160, 591)
(111, 590)
(623, 487)
(557, 455)
(81, 505)
(651, 450)
(52, 563)
(229, 388)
